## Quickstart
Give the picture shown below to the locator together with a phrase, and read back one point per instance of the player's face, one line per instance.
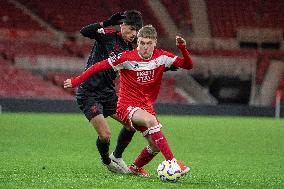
(128, 32)
(146, 47)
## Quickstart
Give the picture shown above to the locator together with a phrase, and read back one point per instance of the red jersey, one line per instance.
(140, 79)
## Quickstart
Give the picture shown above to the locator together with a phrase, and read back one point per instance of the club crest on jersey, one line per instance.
(136, 65)
(145, 76)
(113, 57)
(101, 30)
(94, 108)
(116, 47)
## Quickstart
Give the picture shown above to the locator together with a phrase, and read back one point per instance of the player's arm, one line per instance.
(186, 61)
(90, 31)
(172, 68)
(74, 82)
(112, 62)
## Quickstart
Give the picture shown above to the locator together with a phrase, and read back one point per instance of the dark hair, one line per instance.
(133, 18)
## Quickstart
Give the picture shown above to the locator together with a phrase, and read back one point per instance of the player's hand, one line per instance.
(172, 68)
(180, 41)
(67, 83)
(115, 19)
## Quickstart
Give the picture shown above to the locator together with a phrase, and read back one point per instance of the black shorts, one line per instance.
(93, 106)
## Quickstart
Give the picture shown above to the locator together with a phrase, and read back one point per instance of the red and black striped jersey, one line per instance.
(109, 42)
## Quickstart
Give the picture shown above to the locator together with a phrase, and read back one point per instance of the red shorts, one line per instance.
(125, 113)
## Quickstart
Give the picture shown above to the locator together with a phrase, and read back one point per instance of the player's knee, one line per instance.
(105, 136)
(130, 129)
(150, 121)
(153, 149)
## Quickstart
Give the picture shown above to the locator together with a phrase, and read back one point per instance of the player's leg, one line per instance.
(157, 141)
(142, 118)
(103, 140)
(93, 112)
(125, 135)
(150, 128)
(124, 138)
(145, 156)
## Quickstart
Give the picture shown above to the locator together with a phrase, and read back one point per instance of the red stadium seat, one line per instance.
(77, 14)
(168, 94)
(19, 83)
(180, 13)
(263, 64)
(13, 18)
(226, 16)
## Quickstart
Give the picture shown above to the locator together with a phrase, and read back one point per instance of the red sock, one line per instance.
(144, 157)
(161, 142)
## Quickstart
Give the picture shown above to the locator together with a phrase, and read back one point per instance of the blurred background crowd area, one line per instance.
(237, 47)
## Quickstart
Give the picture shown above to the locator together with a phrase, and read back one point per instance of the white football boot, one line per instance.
(114, 167)
(120, 163)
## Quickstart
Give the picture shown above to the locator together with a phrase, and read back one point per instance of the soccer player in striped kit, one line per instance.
(96, 96)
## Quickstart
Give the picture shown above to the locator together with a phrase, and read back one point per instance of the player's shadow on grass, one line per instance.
(184, 180)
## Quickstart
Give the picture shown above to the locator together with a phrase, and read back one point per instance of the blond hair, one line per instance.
(147, 31)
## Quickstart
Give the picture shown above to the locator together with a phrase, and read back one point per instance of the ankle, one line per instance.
(106, 161)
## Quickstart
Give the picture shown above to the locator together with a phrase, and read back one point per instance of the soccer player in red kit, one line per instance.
(141, 72)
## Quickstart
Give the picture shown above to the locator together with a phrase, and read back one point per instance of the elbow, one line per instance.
(86, 34)
(83, 32)
(189, 65)
(186, 67)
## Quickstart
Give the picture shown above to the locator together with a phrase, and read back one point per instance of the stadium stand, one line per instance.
(64, 14)
(13, 19)
(183, 20)
(23, 38)
(89, 11)
(263, 62)
(226, 16)
(272, 14)
(168, 92)
(57, 77)
(20, 83)
(31, 49)
(280, 91)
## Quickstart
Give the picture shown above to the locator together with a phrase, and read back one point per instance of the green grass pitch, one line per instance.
(45, 150)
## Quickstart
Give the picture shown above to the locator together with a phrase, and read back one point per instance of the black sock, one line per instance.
(103, 149)
(123, 140)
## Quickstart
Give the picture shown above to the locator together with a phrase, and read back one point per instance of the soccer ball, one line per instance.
(169, 171)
